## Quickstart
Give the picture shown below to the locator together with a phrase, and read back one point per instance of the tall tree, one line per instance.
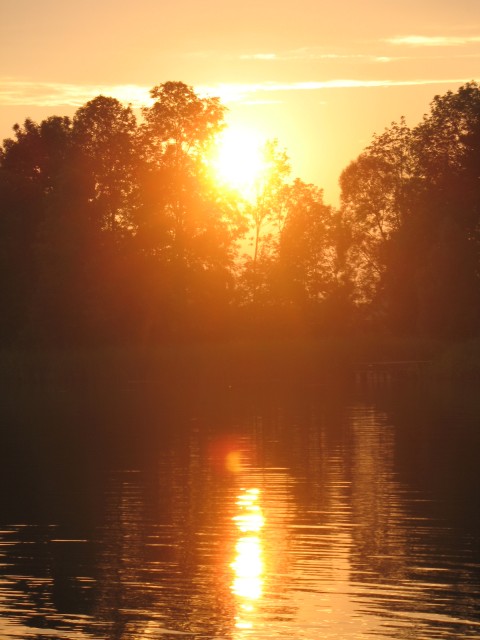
(33, 165)
(184, 227)
(403, 198)
(267, 207)
(448, 144)
(265, 214)
(307, 246)
(375, 201)
(104, 133)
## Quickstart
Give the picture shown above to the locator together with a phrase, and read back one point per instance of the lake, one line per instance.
(215, 511)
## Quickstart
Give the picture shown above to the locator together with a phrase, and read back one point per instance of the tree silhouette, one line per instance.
(184, 226)
(402, 199)
(115, 232)
(104, 134)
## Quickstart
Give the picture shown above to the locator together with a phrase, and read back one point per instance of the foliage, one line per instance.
(104, 135)
(112, 231)
(411, 201)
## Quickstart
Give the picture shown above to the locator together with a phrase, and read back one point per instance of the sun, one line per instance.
(238, 159)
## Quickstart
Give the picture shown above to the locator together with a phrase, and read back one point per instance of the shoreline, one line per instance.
(314, 360)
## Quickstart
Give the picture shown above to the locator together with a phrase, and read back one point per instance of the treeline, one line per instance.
(411, 202)
(114, 230)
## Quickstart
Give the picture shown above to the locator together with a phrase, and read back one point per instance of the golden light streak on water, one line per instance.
(248, 564)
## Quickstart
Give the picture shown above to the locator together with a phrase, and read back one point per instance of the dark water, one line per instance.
(304, 512)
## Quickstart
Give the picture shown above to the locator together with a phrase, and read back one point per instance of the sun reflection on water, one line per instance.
(248, 565)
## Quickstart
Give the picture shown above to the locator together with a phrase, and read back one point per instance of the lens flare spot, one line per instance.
(233, 461)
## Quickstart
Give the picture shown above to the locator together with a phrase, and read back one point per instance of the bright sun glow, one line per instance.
(238, 159)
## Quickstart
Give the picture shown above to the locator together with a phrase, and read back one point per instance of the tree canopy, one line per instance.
(113, 230)
(411, 200)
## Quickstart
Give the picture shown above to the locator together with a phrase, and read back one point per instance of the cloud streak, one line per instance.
(302, 54)
(239, 92)
(47, 94)
(53, 94)
(433, 41)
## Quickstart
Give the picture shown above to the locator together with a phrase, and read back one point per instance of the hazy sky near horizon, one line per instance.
(321, 76)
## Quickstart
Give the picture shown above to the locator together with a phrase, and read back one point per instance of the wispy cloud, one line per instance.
(302, 54)
(433, 41)
(259, 56)
(241, 92)
(47, 94)
(53, 94)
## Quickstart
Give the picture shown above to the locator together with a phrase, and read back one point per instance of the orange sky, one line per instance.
(321, 76)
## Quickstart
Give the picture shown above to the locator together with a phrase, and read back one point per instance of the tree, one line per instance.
(179, 126)
(310, 271)
(78, 179)
(448, 147)
(20, 201)
(448, 284)
(265, 215)
(104, 133)
(376, 191)
(185, 228)
(306, 256)
(38, 152)
(267, 207)
(33, 164)
(412, 202)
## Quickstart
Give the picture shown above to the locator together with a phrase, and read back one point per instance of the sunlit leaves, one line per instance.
(179, 125)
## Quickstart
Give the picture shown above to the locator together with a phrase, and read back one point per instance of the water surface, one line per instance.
(294, 512)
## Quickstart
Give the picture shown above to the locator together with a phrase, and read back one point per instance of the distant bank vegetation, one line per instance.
(113, 232)
(333, 362)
